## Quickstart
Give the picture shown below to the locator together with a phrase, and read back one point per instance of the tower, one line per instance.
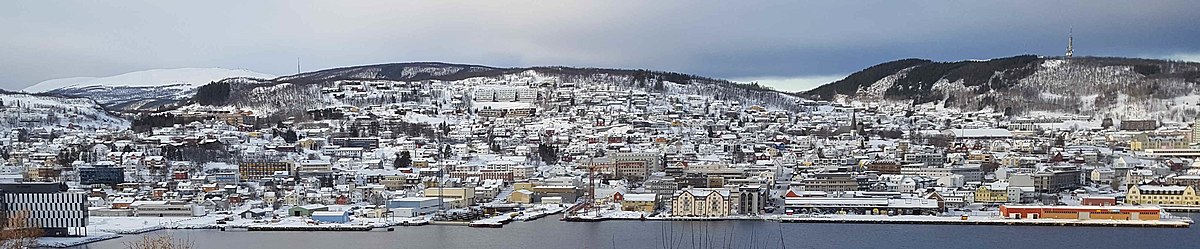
(1196, 130)
(1070, 43)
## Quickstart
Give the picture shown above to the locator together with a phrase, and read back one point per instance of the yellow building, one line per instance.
(523, 196)
(307, 143)
(394, 182)
(31, 174)
(1136, 145)
(523, 186)
(706, 202)
(1160, 140)
(1162, 195)
(992, 193)
(420, 163)
(467, 195)
(640, 202)
(984, 157)
(1010, 161)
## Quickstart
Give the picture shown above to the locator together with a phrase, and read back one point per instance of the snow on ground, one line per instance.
(501, 105)
(495, 220)
(153, 77)
(539, 209)
(60, 242)
(1052, 63)
(267, 90)
(306, 222)
(1072, 125)
(219, 166)
(611, 211)
(426, 119)
(133, 225)
(82, 113)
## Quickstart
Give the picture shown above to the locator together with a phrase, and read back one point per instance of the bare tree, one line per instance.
(17, 232)
(160, 241)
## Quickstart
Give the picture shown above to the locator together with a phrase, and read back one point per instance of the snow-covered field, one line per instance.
(134, 225)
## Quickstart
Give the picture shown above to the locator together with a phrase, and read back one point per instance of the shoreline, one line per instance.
(845, 219)
(910, 219)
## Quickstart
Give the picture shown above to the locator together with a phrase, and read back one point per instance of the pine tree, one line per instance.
(290, 136)
(403, 160)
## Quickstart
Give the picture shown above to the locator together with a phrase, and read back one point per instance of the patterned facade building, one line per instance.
(48, 206)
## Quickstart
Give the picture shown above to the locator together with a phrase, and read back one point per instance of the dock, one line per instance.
(411, 223)
(359, 228)
(1181, 209)
(497, 221)
(908, 219)
(538, 214)
(449, 223)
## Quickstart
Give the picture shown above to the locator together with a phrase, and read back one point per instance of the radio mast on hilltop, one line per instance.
(1070, 43)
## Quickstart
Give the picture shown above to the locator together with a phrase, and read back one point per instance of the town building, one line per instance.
(701, 202)
(101, 174)
(829, 182)
(252, 171)
(50, 207)
(868, 205)
(1081, 212)
(640, 202)
(331, 216)
(1172, 195)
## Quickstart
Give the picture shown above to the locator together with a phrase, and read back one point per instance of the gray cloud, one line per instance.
(729, 39)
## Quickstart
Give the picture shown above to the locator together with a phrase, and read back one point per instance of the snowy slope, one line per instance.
(153, 77)
(32, 111)
(1120, 88)
(142, 90)
(292, 96)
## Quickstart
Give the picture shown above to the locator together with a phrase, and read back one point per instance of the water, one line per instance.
(551, 233)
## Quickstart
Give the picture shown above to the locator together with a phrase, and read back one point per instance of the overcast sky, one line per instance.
(791, 45)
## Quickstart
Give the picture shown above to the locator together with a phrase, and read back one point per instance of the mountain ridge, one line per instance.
(277, 96)
(1100, 86)
(149, 77)
(140, 90)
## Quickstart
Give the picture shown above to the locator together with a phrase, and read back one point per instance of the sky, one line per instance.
(789, 45)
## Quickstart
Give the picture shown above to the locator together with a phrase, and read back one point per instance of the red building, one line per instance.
(1098, 201)
(1081, 212)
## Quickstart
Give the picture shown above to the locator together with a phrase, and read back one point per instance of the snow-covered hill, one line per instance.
(291, 96)
(141, 90)
(153, 77)
(36, 111)
(1121, 88)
